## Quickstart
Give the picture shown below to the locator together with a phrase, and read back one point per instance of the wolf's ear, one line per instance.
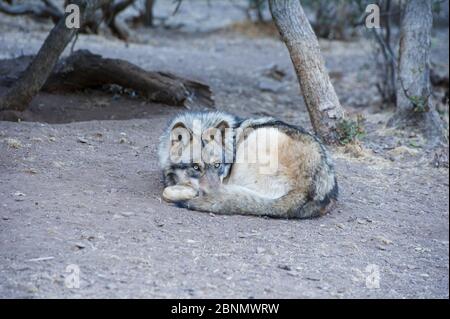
(222, 127)
(180, 134)
(216, 133)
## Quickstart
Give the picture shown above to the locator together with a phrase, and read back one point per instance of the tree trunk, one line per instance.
(23, 91)
(148, 13)
(414, 108)
(321, 100)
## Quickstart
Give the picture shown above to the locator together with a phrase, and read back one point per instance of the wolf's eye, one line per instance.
(217, 165)
(180, 137)
(196, 167)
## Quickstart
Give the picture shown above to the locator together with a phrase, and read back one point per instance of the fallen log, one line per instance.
(84, 69)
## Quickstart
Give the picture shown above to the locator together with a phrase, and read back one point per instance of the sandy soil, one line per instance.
(87, 193)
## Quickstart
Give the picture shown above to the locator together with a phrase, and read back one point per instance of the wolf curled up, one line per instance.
(216, 162)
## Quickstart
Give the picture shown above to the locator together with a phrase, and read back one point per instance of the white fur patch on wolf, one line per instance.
(257, 167)
(178, 192)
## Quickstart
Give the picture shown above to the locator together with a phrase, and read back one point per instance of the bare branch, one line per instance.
(111, 11)
(178, 2)
(41, 10)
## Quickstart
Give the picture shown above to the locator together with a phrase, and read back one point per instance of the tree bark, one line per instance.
(323, 105)
(23, 91)
(414, 108)
(148, 13)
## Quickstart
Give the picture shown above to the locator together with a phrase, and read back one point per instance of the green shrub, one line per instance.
(350, 130)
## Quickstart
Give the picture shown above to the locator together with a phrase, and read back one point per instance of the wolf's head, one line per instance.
(198, 148)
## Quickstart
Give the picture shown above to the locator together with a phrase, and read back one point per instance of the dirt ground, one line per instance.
(80, 187)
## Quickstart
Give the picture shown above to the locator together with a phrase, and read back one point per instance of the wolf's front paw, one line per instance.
(178, 193)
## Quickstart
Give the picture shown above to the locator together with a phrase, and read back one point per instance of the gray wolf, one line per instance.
(216, 162)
